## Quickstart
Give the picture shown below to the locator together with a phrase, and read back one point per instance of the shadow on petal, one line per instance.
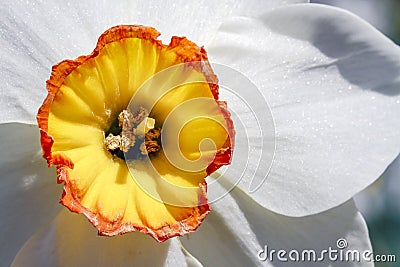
(70, 240)
(363, 56)
(29, 192)
(216, 244)
(239, 229)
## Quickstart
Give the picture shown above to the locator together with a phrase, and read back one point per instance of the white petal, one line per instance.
(70, 240)
(29, 192)
(333, 85)
(383, 196)
(190, 259)
(197, 20)
(374, 12)
(238, 229)
(37, 34)
(392, 178)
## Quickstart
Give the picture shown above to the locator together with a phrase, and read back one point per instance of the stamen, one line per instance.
(125, 119)
(144, 126)
(135, 133)
(127, 141)
(112, 142)
(151, 143)
(139, 115)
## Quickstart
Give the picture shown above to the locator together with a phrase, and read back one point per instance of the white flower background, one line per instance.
(380, 203)
(332, 82)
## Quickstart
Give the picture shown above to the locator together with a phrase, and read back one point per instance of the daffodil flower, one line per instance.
(92, 135)
(330, 79)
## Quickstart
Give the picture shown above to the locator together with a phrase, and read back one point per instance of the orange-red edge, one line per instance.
(187, 51)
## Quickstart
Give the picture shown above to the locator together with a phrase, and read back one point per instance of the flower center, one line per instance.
(162, 195)
(133, 135)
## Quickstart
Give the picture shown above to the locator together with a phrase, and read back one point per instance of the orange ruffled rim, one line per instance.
(187, 51)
